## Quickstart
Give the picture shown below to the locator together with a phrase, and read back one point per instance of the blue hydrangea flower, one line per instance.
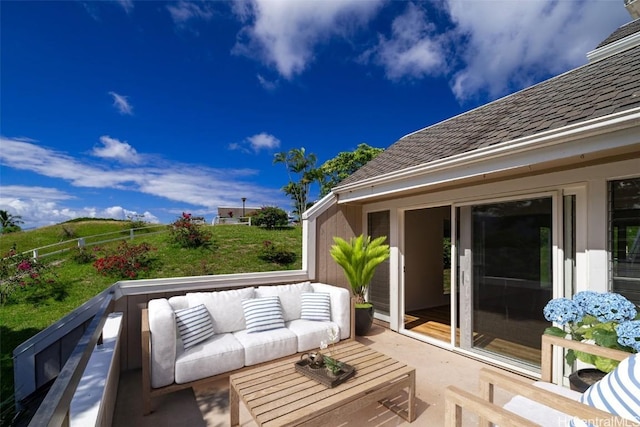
(563, 311)
(611, 307)
(629, 334)
(585, 299)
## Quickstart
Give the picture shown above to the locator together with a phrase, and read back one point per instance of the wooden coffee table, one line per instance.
(277, 395)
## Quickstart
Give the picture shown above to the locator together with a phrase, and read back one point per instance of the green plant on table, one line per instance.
(332, 364)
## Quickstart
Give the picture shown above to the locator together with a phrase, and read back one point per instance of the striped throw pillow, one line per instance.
(194, 325)
(262, 314)
(315, 306)
(617, 393)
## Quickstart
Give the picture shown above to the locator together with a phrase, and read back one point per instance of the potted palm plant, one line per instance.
(359, 258)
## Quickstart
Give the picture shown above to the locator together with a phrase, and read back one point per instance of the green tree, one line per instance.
(9, 222)
(344, 164)
(301, 167)
(270, 217)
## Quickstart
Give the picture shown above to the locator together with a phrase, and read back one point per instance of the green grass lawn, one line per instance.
(235, 250)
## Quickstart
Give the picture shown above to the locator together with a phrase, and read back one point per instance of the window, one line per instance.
(378, 225)
(624, 237)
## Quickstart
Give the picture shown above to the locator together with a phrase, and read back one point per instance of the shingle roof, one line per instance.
(593, 90)
(622, 32)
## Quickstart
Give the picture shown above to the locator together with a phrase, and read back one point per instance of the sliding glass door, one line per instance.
(512, 276)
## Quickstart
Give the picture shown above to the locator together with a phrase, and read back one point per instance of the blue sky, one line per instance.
(114, 108)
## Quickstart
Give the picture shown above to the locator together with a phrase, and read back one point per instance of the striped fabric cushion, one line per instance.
(617, 393)
(315, 306)
(194, 324)
(263, 314)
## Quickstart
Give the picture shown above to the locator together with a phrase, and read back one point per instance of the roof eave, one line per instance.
(372, 187)
(614, 48)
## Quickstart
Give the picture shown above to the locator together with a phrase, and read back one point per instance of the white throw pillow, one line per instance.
(194, 325)
(617, 393)
(315, 306)
(262, 314)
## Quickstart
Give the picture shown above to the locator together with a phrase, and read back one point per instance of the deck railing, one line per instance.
(54, 409)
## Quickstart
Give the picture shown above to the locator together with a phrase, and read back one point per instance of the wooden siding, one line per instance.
(338, 220)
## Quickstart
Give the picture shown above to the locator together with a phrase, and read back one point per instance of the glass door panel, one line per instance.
(512, 276)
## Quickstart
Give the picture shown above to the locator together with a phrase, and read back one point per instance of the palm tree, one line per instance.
(302, 164)
(9, 222)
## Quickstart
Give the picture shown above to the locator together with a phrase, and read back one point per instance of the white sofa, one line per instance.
(168, 366)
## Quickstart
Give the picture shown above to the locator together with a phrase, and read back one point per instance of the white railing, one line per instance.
(54, 409)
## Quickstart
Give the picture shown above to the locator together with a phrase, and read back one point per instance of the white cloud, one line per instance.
(40, 206)
(263, 141)
(178, 182)
(127, 5)
(414, 49)
(115, 149)
(256, 143)
(515, 43)
(185, 11)
(284, 33)
(268, 85)
(122, 104)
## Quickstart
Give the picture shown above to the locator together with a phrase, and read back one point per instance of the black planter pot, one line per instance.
(364, 320)
(582, 379)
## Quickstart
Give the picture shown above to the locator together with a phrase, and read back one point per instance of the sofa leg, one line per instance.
(146, 405)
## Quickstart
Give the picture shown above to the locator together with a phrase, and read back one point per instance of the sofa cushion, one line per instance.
(225, 307)
(194, 325)
(268, 345)
(289, 297)
(618, 392)
(162, 325)
(262, 314)
(310, 332)
(315, 306)
(340, 306)
(539, 413)
(219, 354)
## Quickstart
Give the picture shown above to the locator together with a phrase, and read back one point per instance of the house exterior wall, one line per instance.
(338, 220)
(588, 182)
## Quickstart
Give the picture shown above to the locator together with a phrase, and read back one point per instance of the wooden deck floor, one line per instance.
(436, 323)
(208, 406)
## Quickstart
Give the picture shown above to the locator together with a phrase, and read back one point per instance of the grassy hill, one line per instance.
(235, 249)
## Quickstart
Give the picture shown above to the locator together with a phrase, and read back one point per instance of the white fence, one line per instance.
(81, 242)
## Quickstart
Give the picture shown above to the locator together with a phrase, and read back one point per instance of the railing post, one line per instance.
(131, 233)
(35, 254)
(81, 242)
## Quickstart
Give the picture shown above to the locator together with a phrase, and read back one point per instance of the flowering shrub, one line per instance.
(606, 319)
(278, 254)
(126, 261)
(188, 234)
(25, 278)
